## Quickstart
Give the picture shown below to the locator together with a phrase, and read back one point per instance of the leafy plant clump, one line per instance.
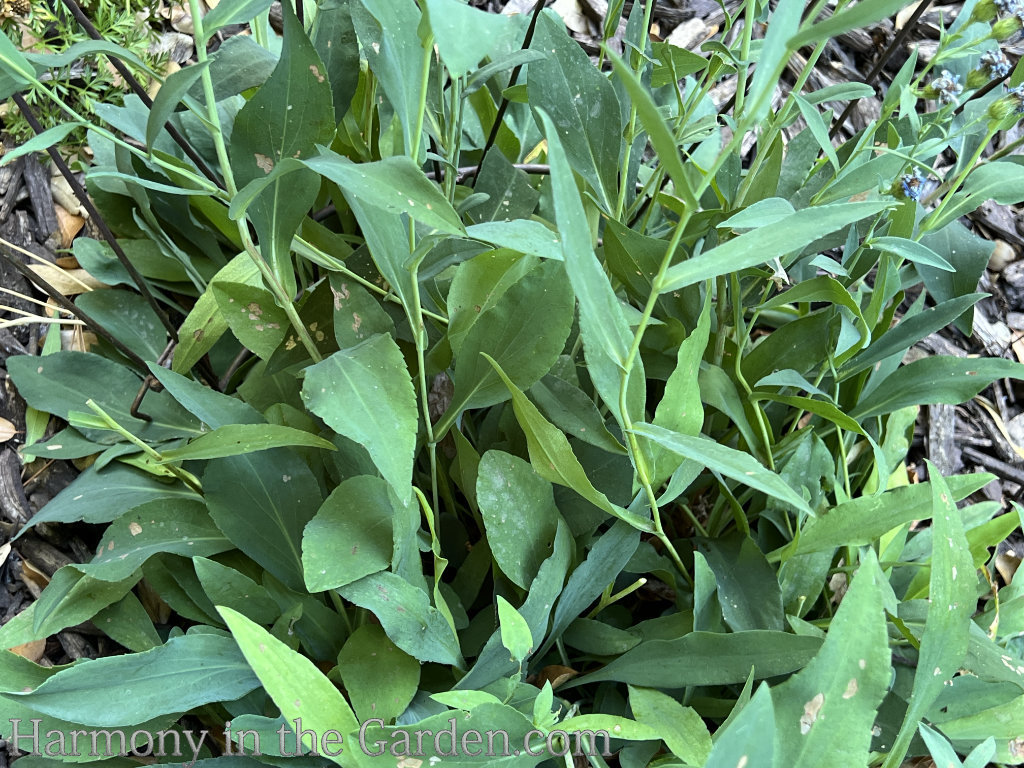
(486, 388)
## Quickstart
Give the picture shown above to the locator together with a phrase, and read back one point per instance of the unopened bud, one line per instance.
(1006, 28)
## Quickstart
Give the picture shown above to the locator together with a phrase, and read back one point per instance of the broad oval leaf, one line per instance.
(366, 394)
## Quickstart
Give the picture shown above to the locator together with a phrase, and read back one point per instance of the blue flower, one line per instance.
(947, 87)
(995, 64)
(912, 184)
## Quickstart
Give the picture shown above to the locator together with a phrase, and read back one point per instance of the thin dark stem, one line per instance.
(139, 91)
(500, 117)
(64, 302)
(97, 219)
(300, 12)
(897, 42)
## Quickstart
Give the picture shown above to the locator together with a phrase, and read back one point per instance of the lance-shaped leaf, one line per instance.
(606, 334)
(130, 689)
(289, 115)
(790, 234)
(394, 184)
(298, 688)
(552, 456)
(824, 714)
(952, 598)
(727, 461)
(365, 393)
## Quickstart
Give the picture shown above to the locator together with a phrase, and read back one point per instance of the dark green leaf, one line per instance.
(130, 689)
(350, 536)
(519, 513)
(365, 393)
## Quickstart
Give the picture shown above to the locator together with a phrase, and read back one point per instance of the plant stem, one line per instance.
(213, 119)
(428, 51)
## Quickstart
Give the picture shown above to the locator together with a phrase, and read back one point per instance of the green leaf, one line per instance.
(845, 683)
(567, 88)
(367, 651)
(969, 255)
(357, 314)
(64, 381)
(680, 409)
(388, 32)
(478, 285)
(466, 35)
(862, 14)
(522, 235)
(179, 526)
(127, 623)
(747, 586)
(817, 127)
(681, 728)
(938, 379)
(860, 522)
(262, 501)
(727, 461)
(602, 565)
(97, 496)
(204, 324)
(171, 93)
(707, 658)
(909, 331)
(130, 689)
(129, 317)
(910, 250)
(519, 513)
(226, 586)
(365, 393)
(73, 594)
(952, 600)
(763, 213)
(407, 616)
(606, 335)
(213, 408)
(570, 409)
(395, 184)
(840, 92)
(788, 235)
(749, 740)
(334, 38)
(257, 322)
(40, 142)
(351, 535)
(289, 115)
(775, 53)
(297, 687)
(232, 12)
(552, 456)
(510, 333)
(515, 632)
(235, 439)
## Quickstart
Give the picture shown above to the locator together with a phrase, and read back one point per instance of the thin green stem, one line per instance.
(186, 477)
(420, 336)
(961, 177)
(428, 51)
(213, 118)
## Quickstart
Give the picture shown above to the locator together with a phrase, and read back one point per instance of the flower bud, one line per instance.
(986, 10)
(1004, 29)
(1010, 104)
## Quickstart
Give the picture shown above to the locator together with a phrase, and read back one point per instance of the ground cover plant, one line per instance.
(470, 383)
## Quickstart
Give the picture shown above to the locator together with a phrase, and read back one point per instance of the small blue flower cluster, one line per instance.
(995, 64)
(1008, 7)
(947, 86)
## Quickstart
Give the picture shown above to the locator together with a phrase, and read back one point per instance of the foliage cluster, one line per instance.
(613, 442)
